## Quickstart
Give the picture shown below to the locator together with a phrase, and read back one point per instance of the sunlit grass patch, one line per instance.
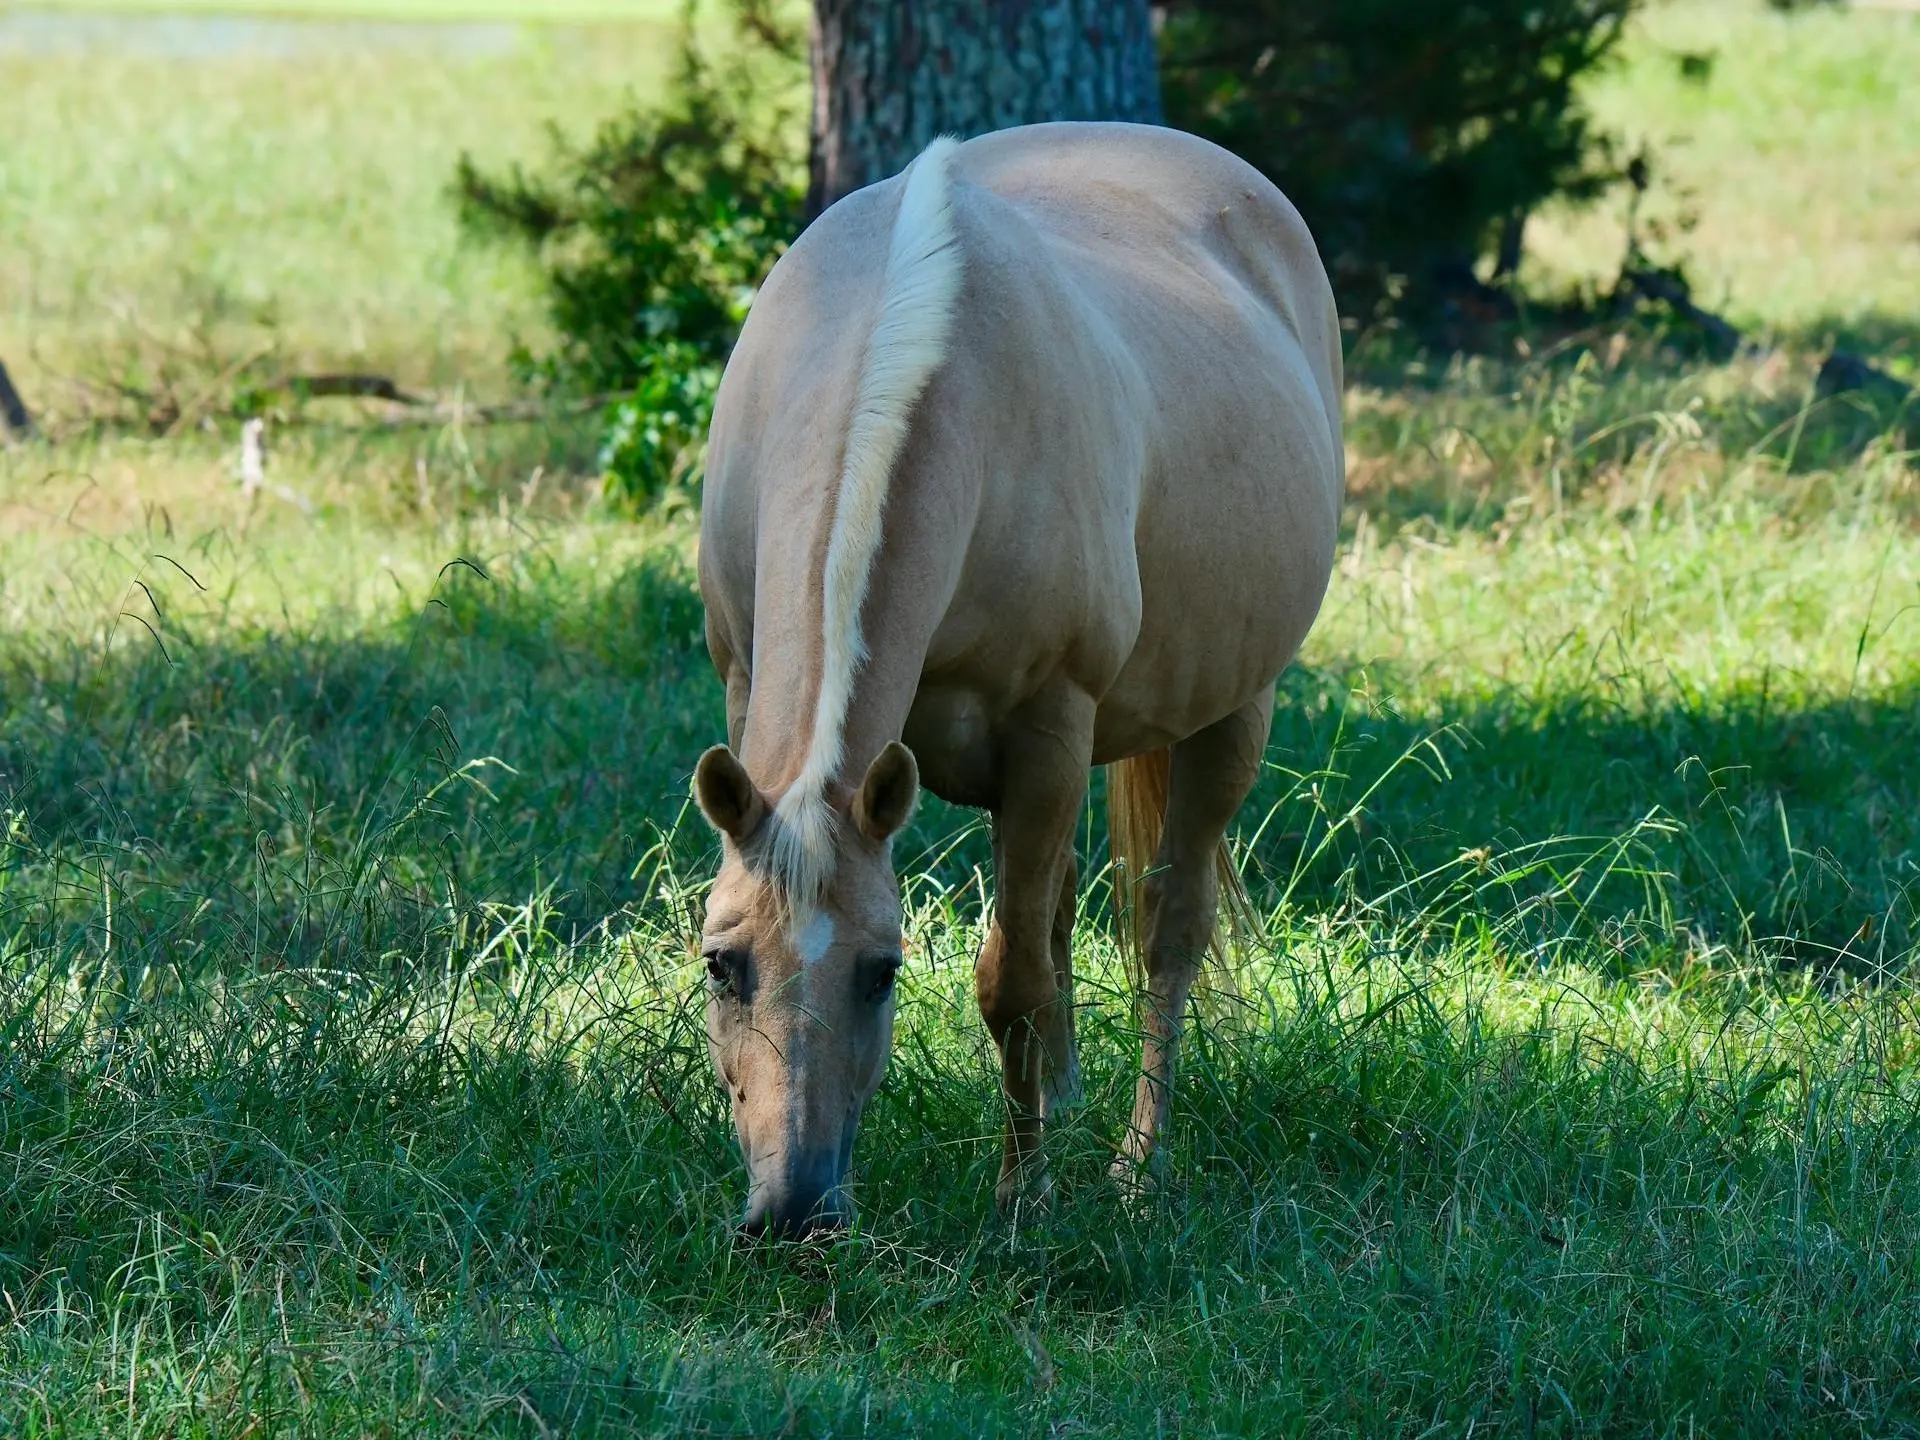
(532, 11)
(355, 1062)
(1788, 139)
(352, 1070)
(167, 220)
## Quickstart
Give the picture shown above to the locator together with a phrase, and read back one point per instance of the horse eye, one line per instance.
(723, 969)
(886, 968)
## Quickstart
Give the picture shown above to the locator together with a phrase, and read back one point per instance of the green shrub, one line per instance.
(1412, 137)
(653, 239)
(655, 438)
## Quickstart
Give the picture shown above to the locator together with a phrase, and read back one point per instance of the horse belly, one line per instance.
(1016, 638)
(950, 730)
(1235, 548)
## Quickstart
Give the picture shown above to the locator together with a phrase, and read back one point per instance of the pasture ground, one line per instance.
(540, 12)
(351, 1074)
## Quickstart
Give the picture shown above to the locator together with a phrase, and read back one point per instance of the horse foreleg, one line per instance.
(1211, 774)
(1023, 979)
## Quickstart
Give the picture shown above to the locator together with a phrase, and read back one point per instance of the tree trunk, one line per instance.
(890, 75)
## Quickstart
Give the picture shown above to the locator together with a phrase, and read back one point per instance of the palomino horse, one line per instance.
(1028, 460)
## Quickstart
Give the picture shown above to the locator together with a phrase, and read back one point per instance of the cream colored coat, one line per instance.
(1106, 516)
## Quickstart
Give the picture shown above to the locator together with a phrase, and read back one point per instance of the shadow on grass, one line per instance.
(293, 1007)
(309, 796)
(450, 1184)
(249, 795)
(1619, 414)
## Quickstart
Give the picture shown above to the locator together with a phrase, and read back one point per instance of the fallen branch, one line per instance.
(430, 411)
(351, 386)
(454, 412)
(15, 418)
(1666, 288)
(1840, 371)
(163, 412)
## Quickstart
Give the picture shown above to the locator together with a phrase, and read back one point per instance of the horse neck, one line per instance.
(914, 575)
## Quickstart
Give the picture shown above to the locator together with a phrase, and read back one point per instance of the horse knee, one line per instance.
(1010, 992)
(1007, 1007)
(1182, 929)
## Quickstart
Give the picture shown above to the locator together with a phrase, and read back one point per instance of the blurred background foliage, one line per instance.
(1416, 141)
(653, 238)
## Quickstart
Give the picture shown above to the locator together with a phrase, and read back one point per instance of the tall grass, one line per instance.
(354, 1077)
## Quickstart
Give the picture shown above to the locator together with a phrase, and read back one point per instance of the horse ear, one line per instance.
(885, 799)
(727, 795)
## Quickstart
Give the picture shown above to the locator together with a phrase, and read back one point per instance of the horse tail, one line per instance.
(1137, 791)
(1136, 814)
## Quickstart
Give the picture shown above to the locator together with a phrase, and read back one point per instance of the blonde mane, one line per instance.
(918, 298)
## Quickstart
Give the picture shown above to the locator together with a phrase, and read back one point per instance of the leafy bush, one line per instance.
(654, 238)
(1412, 137)
(655, 438)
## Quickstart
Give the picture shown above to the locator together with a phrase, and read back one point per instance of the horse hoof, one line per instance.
(1139, 1181)
(1021, 1195)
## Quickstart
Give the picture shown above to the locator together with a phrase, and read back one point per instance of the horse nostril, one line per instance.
(810, 1205)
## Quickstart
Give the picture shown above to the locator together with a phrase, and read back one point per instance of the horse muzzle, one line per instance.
(798, 1198)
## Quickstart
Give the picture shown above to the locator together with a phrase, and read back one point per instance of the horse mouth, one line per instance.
(807, 1199)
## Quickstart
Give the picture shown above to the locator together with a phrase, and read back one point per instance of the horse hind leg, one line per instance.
(1212, 773)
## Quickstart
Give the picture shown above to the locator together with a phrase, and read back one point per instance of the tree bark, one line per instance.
(891, 75)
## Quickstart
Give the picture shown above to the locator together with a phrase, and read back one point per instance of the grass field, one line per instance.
(351, 1073)
(1787, 143)
(170, 219)
(531, 11)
